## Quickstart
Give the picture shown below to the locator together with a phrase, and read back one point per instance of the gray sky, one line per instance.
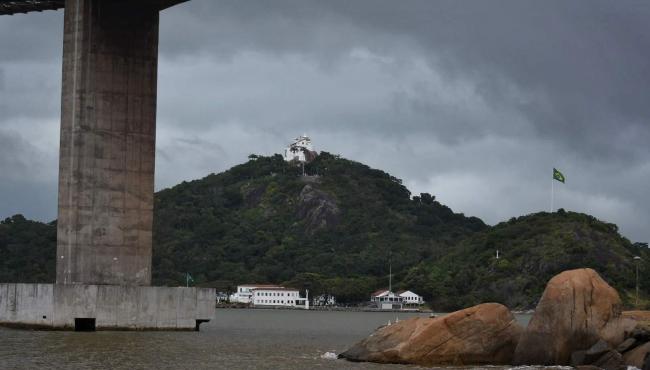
(472, 101)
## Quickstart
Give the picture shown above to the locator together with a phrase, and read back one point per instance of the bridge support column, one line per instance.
(108, 124)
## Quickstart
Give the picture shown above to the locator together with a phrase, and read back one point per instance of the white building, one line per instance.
(411, 299)
(386, 300)
(244, 293)
(278, 297)
(222, 297)
(324, 300)
(300, 150)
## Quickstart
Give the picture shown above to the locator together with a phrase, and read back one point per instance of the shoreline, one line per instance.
(349, 309)
(319, 308)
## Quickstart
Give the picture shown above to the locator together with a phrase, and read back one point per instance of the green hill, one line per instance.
(27, 251)
(335, 231)
(532, 249)
(332, 231)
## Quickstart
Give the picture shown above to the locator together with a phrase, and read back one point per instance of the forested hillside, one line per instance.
(532, 249)
(27, 251)
(336, 230)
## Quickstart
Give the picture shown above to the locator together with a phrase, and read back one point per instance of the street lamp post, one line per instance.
(637, 259)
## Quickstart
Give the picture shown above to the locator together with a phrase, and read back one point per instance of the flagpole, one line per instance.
(552, 193)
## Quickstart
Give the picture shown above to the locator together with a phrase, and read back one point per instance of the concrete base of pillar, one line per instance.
(104, 307)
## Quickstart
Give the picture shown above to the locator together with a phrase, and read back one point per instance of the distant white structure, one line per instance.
(278, 297)
(300, 150)
(244, 293)
(387, 300)
(324, 300)
(222, 297)
(410, 298)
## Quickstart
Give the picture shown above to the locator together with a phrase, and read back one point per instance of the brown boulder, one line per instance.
(637, 315)
(572, 315)
(611, 360)
(627, 345)
(636, 357)
(595, 352)
(483, 334)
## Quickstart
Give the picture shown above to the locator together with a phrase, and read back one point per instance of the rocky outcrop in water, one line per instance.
(578, 322)
(572, 315)
(483, 334)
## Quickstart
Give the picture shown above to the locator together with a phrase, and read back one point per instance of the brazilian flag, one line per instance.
(557, 175)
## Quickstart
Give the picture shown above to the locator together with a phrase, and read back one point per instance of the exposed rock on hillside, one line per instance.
(317, 208)
(572, 315)
(483, 334)
(253, 195)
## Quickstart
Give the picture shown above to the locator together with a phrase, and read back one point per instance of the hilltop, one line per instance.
(335, 231)
(532, 249)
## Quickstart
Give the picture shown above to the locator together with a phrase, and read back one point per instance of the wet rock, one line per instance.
(596, 351)
(637, 356)
(627, 345)
(578, 358)
(572, 315)
(479, 335)
(610, 360)
(646, 364)
(640, 333)
(587, 367)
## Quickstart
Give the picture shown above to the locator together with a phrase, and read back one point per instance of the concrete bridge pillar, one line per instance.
(108, 131)
(106, 179)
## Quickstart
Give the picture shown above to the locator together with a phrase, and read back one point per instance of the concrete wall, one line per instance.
(114, 307)
(107, 149)
(31, 304)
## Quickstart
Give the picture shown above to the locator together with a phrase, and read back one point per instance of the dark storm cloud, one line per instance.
(473, 101)
(587, 62)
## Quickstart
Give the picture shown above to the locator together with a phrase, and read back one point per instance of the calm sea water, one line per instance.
(236, 339)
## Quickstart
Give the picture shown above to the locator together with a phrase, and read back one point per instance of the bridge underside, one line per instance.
(10, 7)
(26, 6)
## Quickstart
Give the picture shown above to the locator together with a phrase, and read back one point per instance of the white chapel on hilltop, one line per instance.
(300, 150)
